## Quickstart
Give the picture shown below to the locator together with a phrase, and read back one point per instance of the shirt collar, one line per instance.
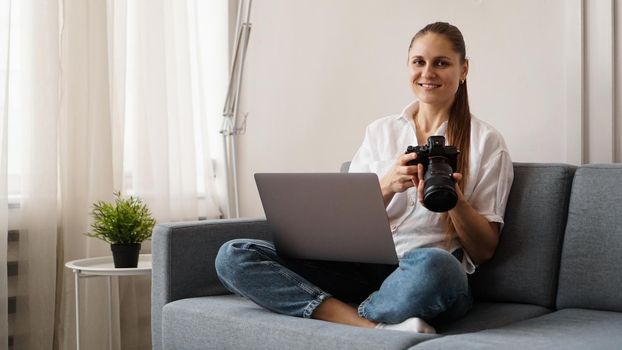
(411, 109)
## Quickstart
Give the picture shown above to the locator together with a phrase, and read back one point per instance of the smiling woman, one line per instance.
(436, 251)
(436, 69)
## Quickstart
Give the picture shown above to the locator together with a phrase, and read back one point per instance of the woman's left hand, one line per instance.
(478, 237)
(457, 177)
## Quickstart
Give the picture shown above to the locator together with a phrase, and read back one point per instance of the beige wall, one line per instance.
(318, 71)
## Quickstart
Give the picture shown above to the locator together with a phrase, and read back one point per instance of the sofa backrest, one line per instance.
(525, 266)
(345, 167)
(591, 273)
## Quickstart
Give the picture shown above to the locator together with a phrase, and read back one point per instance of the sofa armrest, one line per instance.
(183, 260)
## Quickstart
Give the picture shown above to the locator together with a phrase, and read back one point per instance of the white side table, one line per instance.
(103, 266)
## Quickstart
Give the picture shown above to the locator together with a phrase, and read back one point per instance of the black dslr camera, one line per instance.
(439, 162)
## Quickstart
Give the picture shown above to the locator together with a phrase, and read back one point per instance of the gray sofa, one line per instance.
(554, 282)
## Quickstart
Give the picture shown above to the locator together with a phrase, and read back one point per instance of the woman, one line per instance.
(436, 251)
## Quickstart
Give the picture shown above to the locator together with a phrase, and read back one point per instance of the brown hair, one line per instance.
(459, 123)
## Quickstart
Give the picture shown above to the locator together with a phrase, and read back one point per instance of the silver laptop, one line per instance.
(327, 216)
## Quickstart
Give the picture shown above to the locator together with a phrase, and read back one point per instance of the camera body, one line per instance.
(439, 162)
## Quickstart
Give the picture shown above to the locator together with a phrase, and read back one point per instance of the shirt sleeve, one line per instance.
(363, 157)
(491, 192)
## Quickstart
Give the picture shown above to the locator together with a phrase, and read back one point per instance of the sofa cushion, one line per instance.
(564, 329)
(590, 274)
(526, 264)
(183, 260)
(491, 315)
(231, 322)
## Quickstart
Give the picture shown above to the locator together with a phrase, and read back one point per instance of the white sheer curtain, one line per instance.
(33, 112)
(165, 142)
(4, 226)
(101, 96)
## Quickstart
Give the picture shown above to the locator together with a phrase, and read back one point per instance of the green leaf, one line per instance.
(126, 221)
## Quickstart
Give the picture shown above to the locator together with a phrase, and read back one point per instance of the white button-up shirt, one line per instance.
(413, 225)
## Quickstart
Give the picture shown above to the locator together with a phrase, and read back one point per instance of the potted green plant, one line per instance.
(125, 224)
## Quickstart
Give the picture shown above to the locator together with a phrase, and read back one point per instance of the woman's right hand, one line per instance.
(401, 177)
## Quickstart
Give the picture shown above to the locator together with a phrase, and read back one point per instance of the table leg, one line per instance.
(110, 312)
(77, 280)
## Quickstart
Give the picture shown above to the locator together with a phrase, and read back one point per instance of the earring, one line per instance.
(462, 81)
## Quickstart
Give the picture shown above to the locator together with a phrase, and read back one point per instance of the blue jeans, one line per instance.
(428, 283)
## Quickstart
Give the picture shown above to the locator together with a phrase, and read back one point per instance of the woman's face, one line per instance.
(435, 70)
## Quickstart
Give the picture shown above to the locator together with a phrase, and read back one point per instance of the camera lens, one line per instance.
(439, 192)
